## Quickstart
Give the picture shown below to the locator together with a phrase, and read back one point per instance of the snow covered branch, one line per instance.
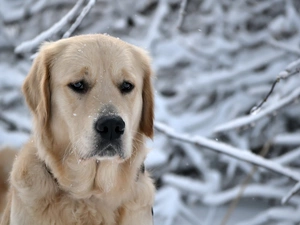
(292, 192)
(291, 139)
(252, 118)
(290, 70)
(34, 43)
(275, 214)
(193, 186)
(182, 13)
(252, 190)
(284, 47)
(223, 148)
(288, 157)
(79, 19)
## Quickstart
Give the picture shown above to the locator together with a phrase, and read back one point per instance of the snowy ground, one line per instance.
(213, 65)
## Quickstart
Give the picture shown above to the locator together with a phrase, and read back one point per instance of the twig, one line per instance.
(79, 19)
(250, 119)
(254, 109)
(223, 148)
(283, 75)
(294, 190)
(28, 46)
(290, 70)
(182, 13)
(235, 201)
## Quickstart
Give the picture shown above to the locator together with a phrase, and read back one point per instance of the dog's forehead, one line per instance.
(98, 52)
(95, 56)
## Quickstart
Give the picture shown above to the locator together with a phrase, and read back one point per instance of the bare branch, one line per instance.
(282, 75)
(79, 19)
(223, 148)
(28, 46)
(244, 184)
(254, 109)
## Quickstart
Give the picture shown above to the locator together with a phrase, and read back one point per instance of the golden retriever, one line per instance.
(92, 101)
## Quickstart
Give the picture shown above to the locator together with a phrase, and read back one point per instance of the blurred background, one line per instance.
(215, 61)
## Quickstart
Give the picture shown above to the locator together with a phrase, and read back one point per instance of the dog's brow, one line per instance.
(85, 71)
(126, 74)
(81, 73)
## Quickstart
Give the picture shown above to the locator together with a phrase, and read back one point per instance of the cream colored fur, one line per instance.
(53, 181)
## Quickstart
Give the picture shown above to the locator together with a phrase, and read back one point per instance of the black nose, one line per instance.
(110, 127)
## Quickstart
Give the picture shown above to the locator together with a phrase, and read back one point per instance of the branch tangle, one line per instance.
(244, 155)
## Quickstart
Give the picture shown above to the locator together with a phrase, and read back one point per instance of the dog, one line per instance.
(92, 103)
(7, 155)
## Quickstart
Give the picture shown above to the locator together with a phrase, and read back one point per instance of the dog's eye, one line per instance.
(79, 87)
(126, 87)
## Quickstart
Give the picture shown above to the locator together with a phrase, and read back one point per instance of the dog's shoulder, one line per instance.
(7, 156)
(28, 171)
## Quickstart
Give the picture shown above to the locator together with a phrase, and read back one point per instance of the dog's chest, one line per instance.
(69, 211)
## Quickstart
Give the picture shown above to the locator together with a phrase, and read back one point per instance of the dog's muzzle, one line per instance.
(109, 131)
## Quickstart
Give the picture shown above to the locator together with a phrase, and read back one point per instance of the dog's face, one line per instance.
(92, 95)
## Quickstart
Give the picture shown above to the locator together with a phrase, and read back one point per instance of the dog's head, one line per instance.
(91, 94)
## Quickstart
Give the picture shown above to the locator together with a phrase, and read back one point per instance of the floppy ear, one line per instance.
(146, 123)
(36, 88)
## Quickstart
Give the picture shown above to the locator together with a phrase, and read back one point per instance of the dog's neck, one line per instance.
(86, 178)
(50, 172)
